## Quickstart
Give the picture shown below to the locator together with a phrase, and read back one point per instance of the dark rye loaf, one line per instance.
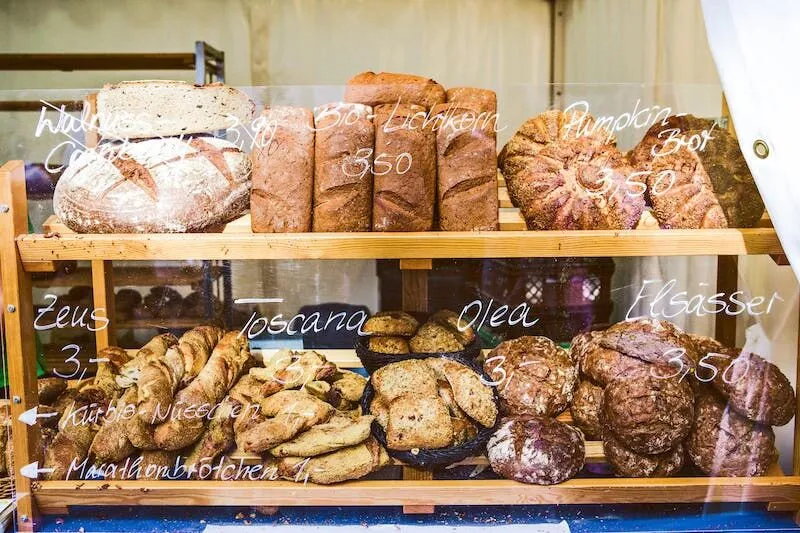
(466, 169)
(283, 171)
(343, 178)
(167, 185)
(405, 192)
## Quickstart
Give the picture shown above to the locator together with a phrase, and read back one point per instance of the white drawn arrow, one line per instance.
(32, 470)
(30, 416)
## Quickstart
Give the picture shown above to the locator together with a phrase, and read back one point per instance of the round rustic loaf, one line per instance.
(585, 408)
(578, 346)
(603, 366)
(649, 414)
(627, 463)
(536, 450)
(713, 187)
(651, 340)
(756, 389)
(534, 375)
(167, 185)
(723, 443)
(565, 172)
(656, 137)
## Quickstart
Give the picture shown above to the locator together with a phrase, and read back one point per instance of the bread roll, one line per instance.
(466, 169)
(373, 89)
(343, 158)
(154, 186)
(536, 450)
(142, 109)
(405, 192)
(283, 171)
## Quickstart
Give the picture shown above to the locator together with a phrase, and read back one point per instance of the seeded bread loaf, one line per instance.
(162, 108)
(343, 150)
(373, 89)
(534, 375)
(154, 186)
(466, 170)
(283, 171)
(405, 173)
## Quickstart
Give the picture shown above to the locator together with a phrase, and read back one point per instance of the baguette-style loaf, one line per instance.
(229, 358)
(154, 186)
(405, 192)
(142, 109)
(466, 169)
(373, 89)
(283, 171)
(343, 168)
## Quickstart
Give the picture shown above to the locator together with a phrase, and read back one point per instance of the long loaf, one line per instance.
(229, 358)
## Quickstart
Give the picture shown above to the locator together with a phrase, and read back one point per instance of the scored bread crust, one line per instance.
(466, 166)
(154, 186)
(553, 170)
(723, 443)
(649, 414)
(342, 197)
(404, 196)
(283, 171)
(162, 108)
(536, 450)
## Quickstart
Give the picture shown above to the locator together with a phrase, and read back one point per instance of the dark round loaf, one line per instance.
(579, 345)
(651, 340)
(654, 139)
(163, 302)
(649, 414)
(125, 301)
(756, 389)
(627, 463)
(603, 366)
(585, 408)
(537, 450)
(723, 443)
(534, 376)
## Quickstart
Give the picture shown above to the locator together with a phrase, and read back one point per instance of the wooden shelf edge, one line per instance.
(423, 245)
(52, 494)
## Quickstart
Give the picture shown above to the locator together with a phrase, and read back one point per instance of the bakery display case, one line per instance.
(610, 340)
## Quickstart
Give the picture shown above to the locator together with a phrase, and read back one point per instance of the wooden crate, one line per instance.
(22, 253)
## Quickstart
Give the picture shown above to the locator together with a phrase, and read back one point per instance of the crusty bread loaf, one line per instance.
(154, 186)
(466, 169)
(283, 171)
(405, 192)
(343, 167)
(482, 100)
(161, 108)
(389, 88)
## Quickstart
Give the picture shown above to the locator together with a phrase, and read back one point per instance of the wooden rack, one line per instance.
(21, 253)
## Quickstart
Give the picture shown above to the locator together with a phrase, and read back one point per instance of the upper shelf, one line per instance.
(236, 241)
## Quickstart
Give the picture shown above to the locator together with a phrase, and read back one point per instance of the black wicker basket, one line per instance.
(442, 457)
(372, 361)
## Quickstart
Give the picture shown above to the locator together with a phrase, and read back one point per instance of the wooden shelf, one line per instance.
(70, 62)
(132, 276)
(55, 496)
(237, 242)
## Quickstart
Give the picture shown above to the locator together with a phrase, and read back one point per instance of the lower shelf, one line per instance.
(55, 496)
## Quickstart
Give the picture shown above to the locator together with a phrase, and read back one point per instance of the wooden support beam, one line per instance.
(18, 318)
(103, 293)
